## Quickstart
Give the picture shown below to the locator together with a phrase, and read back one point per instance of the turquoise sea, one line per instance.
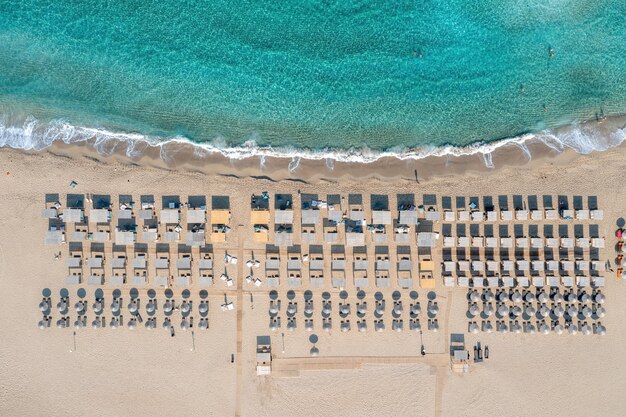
(306, 74)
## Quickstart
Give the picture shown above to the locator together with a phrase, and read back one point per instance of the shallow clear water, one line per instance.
(313, 74)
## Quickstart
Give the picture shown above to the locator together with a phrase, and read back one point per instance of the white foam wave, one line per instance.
(583, 138)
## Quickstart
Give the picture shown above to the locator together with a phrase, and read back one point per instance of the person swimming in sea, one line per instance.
(417, 53)
(551, 52)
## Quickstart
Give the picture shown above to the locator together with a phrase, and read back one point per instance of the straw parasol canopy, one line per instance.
(344, 309)
(473, 327)
(586, 311)
(530, 328)
(558, 297)
(542, 297)
(96, 324)
(291, 309)
(503, 297)
(503, 328)
(42, 324)
(150, 324)
(114, 323)
(79, 307)
(543, 310)
(168, 306)
(571, 297)
(345, 326)
(97, 307)
(558, 329)
(133, 306)
(44, 306)
(600, 329)
(273, 325)
(544, 329)
(516, 328)
(530, 310)
(529, 297)
(167, 323)
(61, 306)
(516, 297)
(203, 307)
(516, 311)
(115, 305)
(132, 323)
(314, 352)
(474, 296)
(78, 324)
(488, 310)
(488, 295)
(585, 298)
(204, 324)
(600, 312)
(362, 326)
(61, 323)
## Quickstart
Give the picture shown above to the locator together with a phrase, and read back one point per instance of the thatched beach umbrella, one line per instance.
(203, 307)
(473, 310)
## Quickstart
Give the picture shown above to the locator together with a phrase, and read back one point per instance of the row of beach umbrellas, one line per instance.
(530, 327)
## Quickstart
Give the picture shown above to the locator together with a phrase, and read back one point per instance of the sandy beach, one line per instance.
(109, 372)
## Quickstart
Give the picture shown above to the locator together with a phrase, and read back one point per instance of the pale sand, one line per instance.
(138, 372)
